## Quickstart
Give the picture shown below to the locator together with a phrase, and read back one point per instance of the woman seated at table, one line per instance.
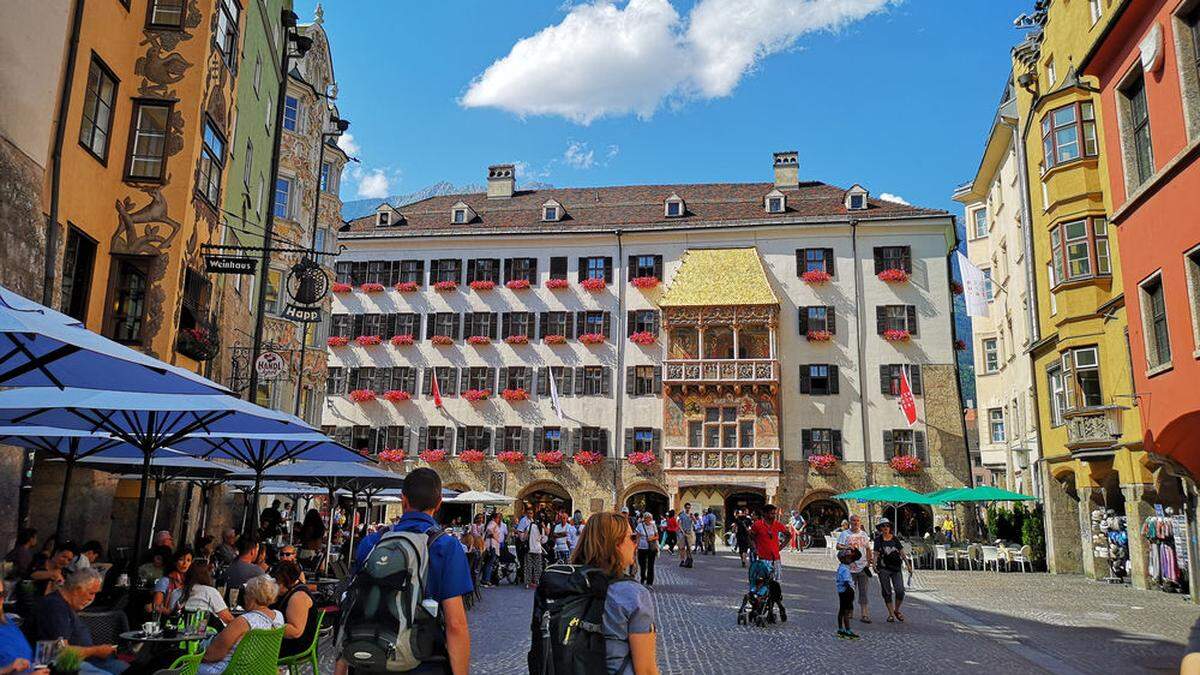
(200, 595)
(299, 610)
(169, 587)
(48, 576)
(257, 596)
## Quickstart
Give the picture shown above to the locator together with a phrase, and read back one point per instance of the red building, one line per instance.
(1148, 67)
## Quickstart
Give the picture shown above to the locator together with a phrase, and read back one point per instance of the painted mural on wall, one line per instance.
(758, 405)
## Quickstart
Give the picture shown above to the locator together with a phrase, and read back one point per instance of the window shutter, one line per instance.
(885, 379)
(576, 439)
(606, 382)
(878, 260)
(831, 321)
(911, 310)
(628, 441)
(427, 383)
(502, 383)
(464, 379)
(497, 440)
(608, 269)
(833, 379)
(539, 435)
(835, 437)
(582, 271)
(526, 440)
(420, 272)
(530, 325)
(460, 441)
(805, 442)
(658, 379)
(888, 450)
(569, 325)
(914, 380)
(799, 262)
(487, 437)
(543, 382)
(829, 261)
(508, 267)
(543, 319)
(472, 266)
(656, 439)
(358, 323)
(492, 320)
(630, 375)
(630, 318)
(579, 381)
(457, 266)
(422, 440)
(919, 444)
(604, 444)
(880, 319)
(656, 321)
(410, 380)
(803, 320)
(607, 323)
(658, 267)
(566, 389)
(908, 259)
(580, 322)
(506, 328)
(629, 268)
(805, 385)
(533, 271)
(456, 331)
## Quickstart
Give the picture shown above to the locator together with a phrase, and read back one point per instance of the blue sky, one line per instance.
(896, 96)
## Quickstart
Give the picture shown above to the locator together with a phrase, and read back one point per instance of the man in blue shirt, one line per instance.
(449, 576)
(710, 532)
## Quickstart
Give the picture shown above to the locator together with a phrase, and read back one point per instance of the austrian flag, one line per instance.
(436, 391)
(907, 403)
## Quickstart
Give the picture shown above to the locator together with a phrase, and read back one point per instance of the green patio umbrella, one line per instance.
(893, 495)
(983, 493)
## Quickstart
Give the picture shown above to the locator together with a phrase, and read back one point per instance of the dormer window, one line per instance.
(673, 207)
(461, 214)
(385, 219)
(552, 211)
(856, 198)
(856, 201)
(775, 202)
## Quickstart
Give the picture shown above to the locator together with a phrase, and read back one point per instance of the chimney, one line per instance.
(787, 169)
(501, 180)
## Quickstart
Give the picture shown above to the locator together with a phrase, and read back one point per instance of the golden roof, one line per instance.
(719, 276)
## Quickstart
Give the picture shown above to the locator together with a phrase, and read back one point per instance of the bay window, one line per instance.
(1079, 250)
(1068, 133)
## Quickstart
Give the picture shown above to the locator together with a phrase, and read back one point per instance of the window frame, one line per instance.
(152, 5)
(79, 293)
(115, 317)
(226, 43)
(1154, 318)
(1056, 388)
(103, 72)
(1137, 137)
(975, 223)
(1094, 245)
(993, 352)
(286, 203)
(295, 118)
(134, 133)
(211, 157)
(1085, 133)
(1002, 437)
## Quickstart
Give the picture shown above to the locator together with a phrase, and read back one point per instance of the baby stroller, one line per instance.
(506, 566)
(758, 604)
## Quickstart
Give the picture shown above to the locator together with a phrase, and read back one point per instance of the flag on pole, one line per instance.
(437, 391)
(907, 403)
(554, 395)
(975, 294)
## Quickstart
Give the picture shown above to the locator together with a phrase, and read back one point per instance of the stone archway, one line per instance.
(647, 496)
(450, 513)
(822, 514)
(543, 494)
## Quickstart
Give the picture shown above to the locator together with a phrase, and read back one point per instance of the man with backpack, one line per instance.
(404, 610)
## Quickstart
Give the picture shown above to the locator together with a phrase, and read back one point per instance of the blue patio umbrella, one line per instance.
(40, 347)
(150, 422)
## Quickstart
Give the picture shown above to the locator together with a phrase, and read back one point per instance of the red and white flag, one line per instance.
(437, 391)
(907, 403)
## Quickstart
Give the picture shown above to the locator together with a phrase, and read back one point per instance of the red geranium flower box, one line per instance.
(441, 340)
(555, 339)
(517, 339)
(592, 284)
(644, 337)
(591, 338)
(551, 458)
(893, 276)
(518, 284)
(390, 455)
(479, 340)
(339, 287)
(641, 458)
(816, 277)
(896, 335)
(362, 395)
(588, 458)
(819, 336)
(906, 465)
(397, 395)
(407, 286)
(368, 340)
(514, 395)
(471, 456)
(644, 282)
(823, 463)
(477, 394)
(402, 340)
(482, 285)
(337, 341)
(446, 286)
(371, 287)
(432, 456)
(557, 284)
(511, 457)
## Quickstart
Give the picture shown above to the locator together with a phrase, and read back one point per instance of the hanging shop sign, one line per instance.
(230, 264)
(307, 286)
(270, 366)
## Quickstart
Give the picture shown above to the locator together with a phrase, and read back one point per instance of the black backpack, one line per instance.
(384, 626)
(568, 622)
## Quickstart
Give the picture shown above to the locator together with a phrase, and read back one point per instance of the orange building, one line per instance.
(1148, 67)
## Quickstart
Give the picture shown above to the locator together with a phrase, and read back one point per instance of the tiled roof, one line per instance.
(638, 207)
(719, 276)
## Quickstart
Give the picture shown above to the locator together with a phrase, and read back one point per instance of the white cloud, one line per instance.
(607, 58)
(578, 155)
(613, 151)
(374, 184)
(347, 144)
(527, 172)
(887, 196)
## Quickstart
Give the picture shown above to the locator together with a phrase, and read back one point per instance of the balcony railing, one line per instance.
(1095, 427)
(721, 370)
(722, 459)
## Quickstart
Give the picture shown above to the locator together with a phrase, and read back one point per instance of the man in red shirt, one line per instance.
(765, 532)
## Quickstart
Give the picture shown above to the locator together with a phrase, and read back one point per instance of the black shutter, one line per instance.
(580, 323)
(539, 435)
(579, 381)
(542, 319)
(656, 321)
(805, 385)
(530, 325)
(630, 374)
(526, 440)
(492, 321)
(472, 266)
(658, 267)
(487, 437)
(456, 332)
(830, 321)
(607, 323)
(606, 382)
(885, 379)
(878, 260)
(908, 259)
(420, 272)
(451, 388)
(799, 262)
(569, 325)
(582, 270)
(628, 441)
(435, 266)
(457, 266)
(656, 440)
(889, 451)
(911, 310)
(803, 320)
(880, 319)
(629, 268)
(805, 441)
(576, 439)
(502, 382)
(427, 382)
(604, 449)
(833, 379)
(919, 444)
(464, 379)
(543, 383)
(497, 440)
(533, 270)
(460, 440)
(914, 380)
(508, 267)
(358, 325)
(608, 269)
(658, 379)
(630, 318)
(566, 388)
(829, 261)
(506, 328)
(835, 437)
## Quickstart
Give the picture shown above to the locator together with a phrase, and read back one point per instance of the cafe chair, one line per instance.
(940, 553)
(257, 653)
(1024, 558)
(991, 556)
(107, 626)
(184, 665)
(309, 656)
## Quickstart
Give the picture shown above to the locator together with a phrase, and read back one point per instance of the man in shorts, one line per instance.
(687, 528)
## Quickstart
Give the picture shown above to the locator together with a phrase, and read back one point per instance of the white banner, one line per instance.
(554, 394)
(974, 287)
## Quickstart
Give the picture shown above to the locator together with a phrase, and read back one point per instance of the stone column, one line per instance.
(1090, 499)
(1138, 508)
(1191, 506)
(1063, 536)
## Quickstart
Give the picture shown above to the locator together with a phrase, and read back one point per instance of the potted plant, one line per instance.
(819, 336)
(402, 340)
(69, 661)
(479, 340)
(512, 395)
(593, 284)
(896, 335)
(432, 456)
(368, 340)
(511, 457)
(339, 287)
(407, 286)
(397, 395)
(588, 458)
(471, 456)
(362, 395)
(337, 341)
(550, 458)
(644, 282)
(823, 463)
(482, 285)
(555, 339)
(592, 338)
(643, 337)
(517, 284)
(517, 339)
(475, 395)
(445, 286)
(641, 459)
(371, 287)
(906, 465)
(198, 344)
(557, 284)
(441, 340)
(893, 276)
(816, 277)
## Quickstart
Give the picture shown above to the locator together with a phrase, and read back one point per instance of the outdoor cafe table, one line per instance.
(161, 638)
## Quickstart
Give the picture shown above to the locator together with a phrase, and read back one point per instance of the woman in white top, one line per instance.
(199, 594)
(535, 556)
(257, 596)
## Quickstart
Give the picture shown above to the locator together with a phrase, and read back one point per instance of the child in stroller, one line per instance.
(506, 566)
(759, 603)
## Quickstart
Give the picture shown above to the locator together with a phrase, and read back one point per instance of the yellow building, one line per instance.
(1093, 467)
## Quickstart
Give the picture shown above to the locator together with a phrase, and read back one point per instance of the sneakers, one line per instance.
(842, 634)
(782, 614)
(852, 635)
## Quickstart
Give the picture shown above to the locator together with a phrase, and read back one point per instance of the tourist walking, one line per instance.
(672, 528)
(492, 541)
(687, 528)
(857, 538)
(765, 533)
(797, 525)
(709, 525)
(564, 538)
(534, 557)
(889, 563)
(741, 534)
(844, 582)
(647, 545)
(523, 542)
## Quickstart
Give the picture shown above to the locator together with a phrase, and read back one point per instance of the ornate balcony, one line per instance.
(687, 371)
(1093, 430)
(722, 459)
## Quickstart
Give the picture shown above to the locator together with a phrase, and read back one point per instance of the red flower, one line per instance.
(432, 456)
(593, 284)
(555, 339)
(644, 282)
(474, 395)
(555, 284)
(390, 455)
(371, 287)
(339, 287)
(819, 336)
(816, 277)
(956, 288)
(362, 395)
(511, 457)
(368, 340)
(893, 276)
(641, 458)
(397, 395)
(822, 463)
(592, 338)
(514, 395)
(896, 335)
(482, 285)
(518, 284)
(551, 458)
(479, 340)
(407, 286)
(906, 464)
(588, 458)
(471, 456)
(337, 341)
(517, 339)
(644, 337)
(446, 286)
(402, 340)
(960, 346)
(441, 340)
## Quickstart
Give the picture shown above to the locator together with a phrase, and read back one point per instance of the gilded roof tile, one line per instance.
(719, 276)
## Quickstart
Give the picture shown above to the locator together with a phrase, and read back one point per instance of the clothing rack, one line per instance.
(1164, 565)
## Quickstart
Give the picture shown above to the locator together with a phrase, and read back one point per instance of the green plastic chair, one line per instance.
(257, 653)
(293, 663)
(188, 664)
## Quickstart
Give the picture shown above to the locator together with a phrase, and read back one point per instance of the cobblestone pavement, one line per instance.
(957, 622)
